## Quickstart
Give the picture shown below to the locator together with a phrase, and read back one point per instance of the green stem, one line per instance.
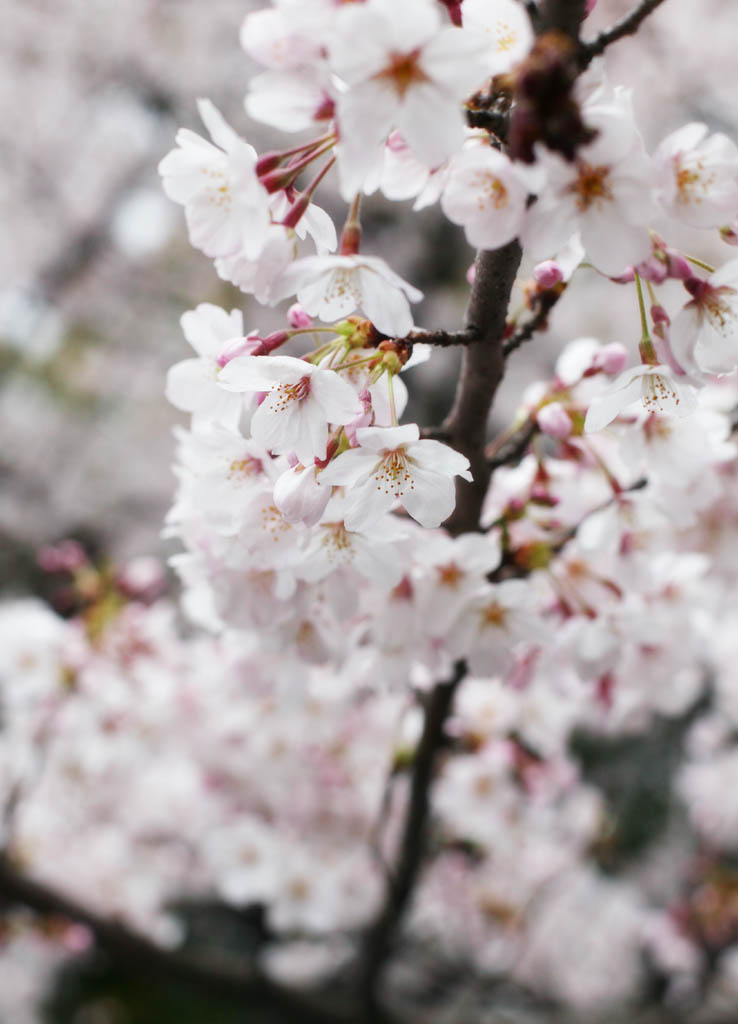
(701, 264)
(648, 352)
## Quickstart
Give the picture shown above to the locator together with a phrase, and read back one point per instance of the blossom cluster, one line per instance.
(593, 597)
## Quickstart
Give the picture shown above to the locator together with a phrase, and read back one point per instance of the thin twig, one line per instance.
(513, 448)
(625, 27)
(379, 938)
(545, 303)
(481, 372)
(443, 339)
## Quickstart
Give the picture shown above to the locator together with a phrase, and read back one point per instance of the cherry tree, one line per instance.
(375, 734)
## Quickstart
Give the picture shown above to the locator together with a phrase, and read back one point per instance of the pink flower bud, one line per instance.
(554, 420)
(659, 315)
(548, 274)
(589, 6)
(611, 359)
(679, 266)
(297, 317)
(654, 270)
(729, 234)
(251, 345)
(66, 556)
(142, 578)
(471, 273)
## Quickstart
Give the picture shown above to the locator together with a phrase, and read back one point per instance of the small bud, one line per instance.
(535, 555)
(659, 315)
(251, 345)
(142, 578)
(679, 266)
(554, 420)
(471, 273)
(67, 556)
(548, 274)
(297, 317)
(729, 234)
(611, 359)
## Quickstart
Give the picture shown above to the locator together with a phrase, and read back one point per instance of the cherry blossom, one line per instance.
(225, 204)
(606, 194)
(656, 388)
(704, 334)
(332, 287)
(401, 69)
(392, 464)
(507, 27)
(485, 195)
(301, 401)
(699, 176)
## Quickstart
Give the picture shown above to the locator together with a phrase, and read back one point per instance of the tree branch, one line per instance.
(513, 448)
(135, 950)
(379, 938)
(481, 372)
(625, 27)
(564, 15)
(442, 339)
(545, 301)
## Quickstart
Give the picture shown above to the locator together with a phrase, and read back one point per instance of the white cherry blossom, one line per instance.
(332, 287)
(400, 67)
(301, 401)
(698, 176)
(656, 389)
(192, 385)
(393, 465)
(507, 28)
(484, 193)
(606, 194)
(704, 334)
(226, 206)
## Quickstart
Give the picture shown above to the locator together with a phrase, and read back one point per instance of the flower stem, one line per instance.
(701, 264)
(646, 347)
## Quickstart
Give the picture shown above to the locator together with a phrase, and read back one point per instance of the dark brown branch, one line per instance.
(494, 121)
(564, 15)
(443, 339)
(625, 27)
(481, 372)
(379, 939)
(545, 302)
(513, 449)
(135, 950)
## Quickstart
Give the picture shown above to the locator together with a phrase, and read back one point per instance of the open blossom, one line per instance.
(226, 206)
(705, 332)
(698, 176)
(484, 194)
(192, 384)
(506, 27)
(605, 194)
(301, 401)
(657, 388)
(400, 68)
(392, 465)
(332, 287)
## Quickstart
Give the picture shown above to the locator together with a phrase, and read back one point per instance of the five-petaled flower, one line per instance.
(393, 466)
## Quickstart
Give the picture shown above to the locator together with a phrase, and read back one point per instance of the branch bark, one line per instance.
(481, 372)
(135, 950)
(379, 938)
